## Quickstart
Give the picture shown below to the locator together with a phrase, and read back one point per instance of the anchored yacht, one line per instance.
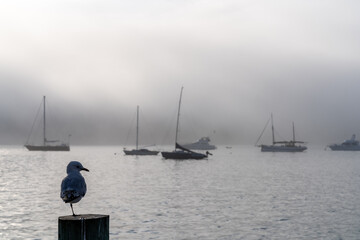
(201, 144)
(347, 145)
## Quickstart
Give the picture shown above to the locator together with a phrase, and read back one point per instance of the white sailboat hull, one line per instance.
(48, 148)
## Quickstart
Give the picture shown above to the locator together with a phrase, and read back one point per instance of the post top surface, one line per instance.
(83, 217)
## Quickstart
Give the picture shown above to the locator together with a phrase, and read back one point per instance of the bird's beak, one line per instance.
(85, 169)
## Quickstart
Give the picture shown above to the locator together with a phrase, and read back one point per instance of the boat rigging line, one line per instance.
(267, 123)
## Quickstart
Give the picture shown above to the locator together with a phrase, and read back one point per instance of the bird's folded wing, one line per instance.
(73, 186)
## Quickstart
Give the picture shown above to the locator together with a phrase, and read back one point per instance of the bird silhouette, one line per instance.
(73, 186)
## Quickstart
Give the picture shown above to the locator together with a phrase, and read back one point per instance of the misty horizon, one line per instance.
(109, 127)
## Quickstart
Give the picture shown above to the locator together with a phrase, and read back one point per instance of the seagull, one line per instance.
(73, 186)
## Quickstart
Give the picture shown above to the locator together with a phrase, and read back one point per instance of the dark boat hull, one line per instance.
(140, 152)
(183, 155)
(272, 148)
(48, 148)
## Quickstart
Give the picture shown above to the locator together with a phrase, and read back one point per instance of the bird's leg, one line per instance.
(72, 209)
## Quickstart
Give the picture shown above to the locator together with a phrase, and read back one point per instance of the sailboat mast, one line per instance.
(137, 127)
(178, 116)
(293, 132)
(272, 129)
(44, 122)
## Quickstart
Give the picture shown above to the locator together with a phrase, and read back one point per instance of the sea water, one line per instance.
(238, 193)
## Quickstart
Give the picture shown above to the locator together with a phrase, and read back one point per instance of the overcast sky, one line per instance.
(238, 60)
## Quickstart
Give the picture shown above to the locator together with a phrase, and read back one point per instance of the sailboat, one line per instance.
(285, 146)
(47, 145)
(180, 152)
(138, 151)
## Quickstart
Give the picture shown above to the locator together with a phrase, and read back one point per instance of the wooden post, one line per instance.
(84, 227)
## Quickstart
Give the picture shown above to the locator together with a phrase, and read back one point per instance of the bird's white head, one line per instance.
(75, 166)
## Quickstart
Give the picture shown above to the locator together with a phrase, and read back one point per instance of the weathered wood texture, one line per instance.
(84, 227)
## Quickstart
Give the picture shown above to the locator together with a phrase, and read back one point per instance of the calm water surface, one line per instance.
(238, 193)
